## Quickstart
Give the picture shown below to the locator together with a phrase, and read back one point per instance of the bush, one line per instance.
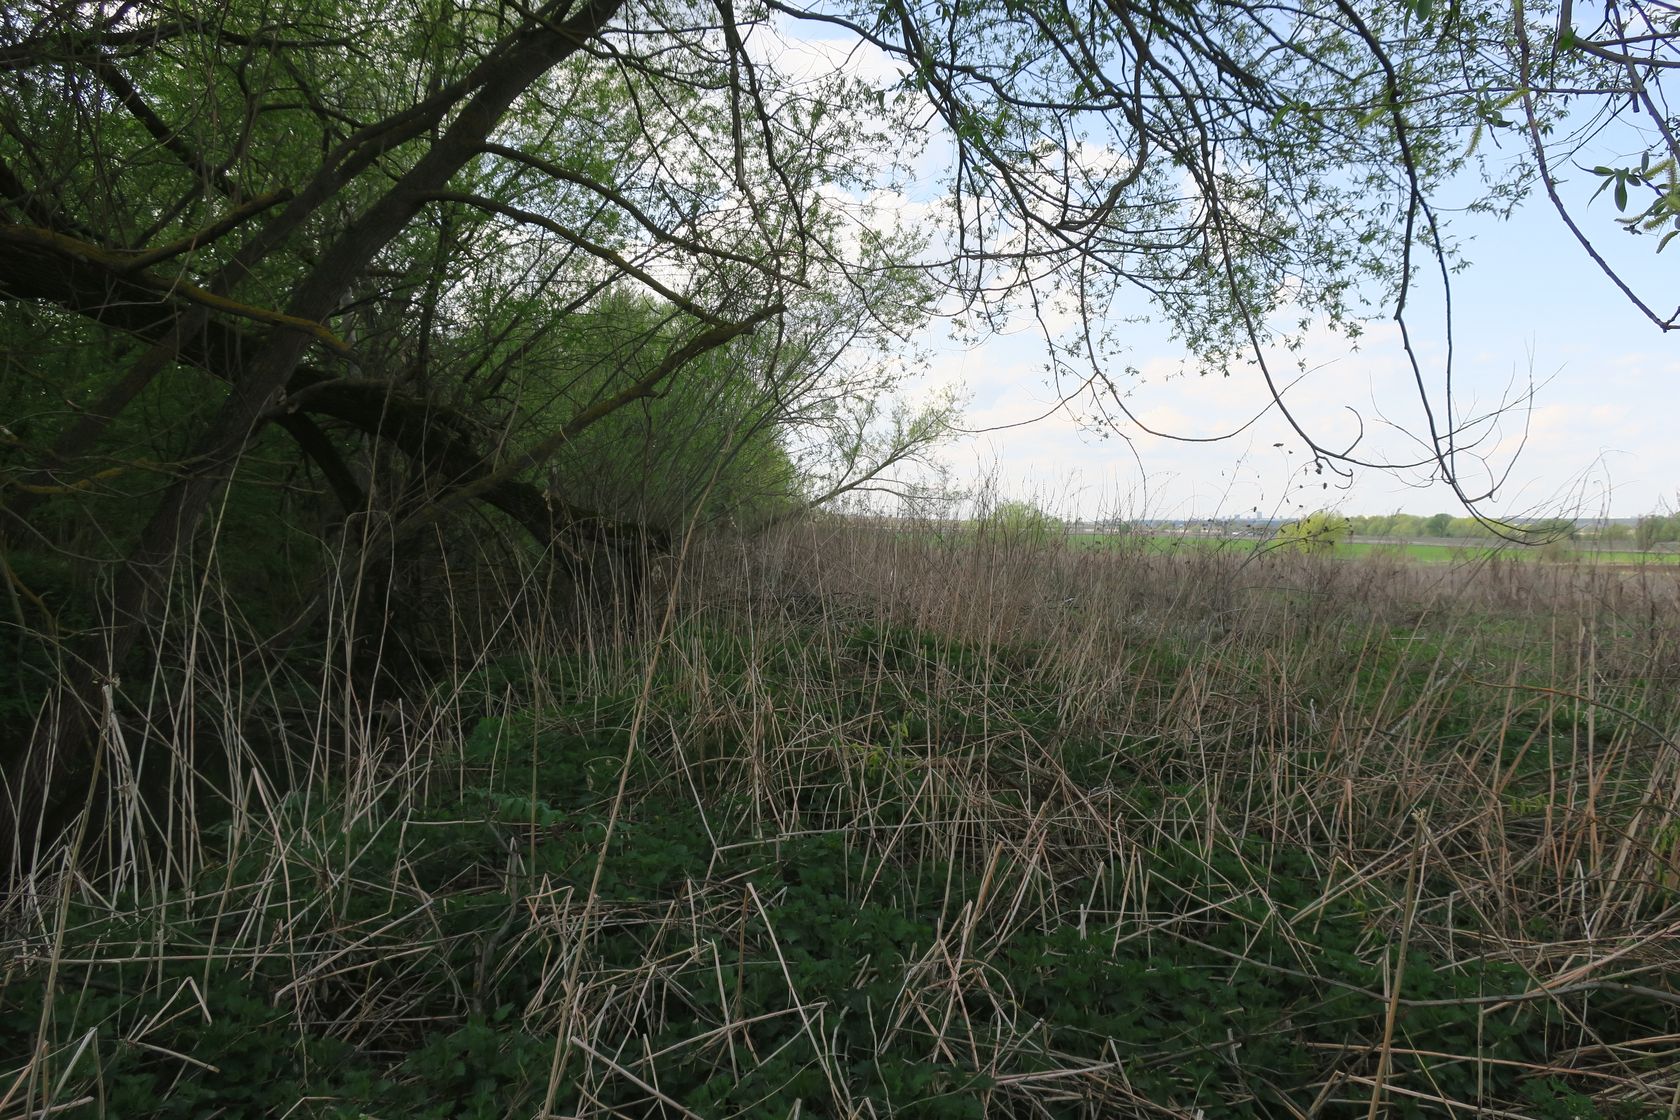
(1316, 532)
(1021, 523)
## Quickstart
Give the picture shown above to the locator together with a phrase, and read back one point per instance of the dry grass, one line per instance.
(1436, 801)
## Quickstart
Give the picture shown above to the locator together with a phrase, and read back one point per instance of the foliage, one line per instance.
(348, 289)
(1443, 526)
(1657, 528)
(1622, 46)
(717, 433)
(1020, 523)
(303, 304)
(1320, 531)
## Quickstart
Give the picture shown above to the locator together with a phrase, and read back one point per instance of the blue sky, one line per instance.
(1600, 426)
(1531, 310)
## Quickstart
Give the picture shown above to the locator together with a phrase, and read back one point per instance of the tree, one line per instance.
(1656, 528)
(1020, 523)
(1438, 525)
(1382, 525)
(1553, 530)
(1318, 532)
(748, 431)
(376, 234)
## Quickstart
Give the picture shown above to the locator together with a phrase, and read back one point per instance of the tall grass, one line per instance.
(851, 821)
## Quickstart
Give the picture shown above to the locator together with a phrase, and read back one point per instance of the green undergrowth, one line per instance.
(806, 907)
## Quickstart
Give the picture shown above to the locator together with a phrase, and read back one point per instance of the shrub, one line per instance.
(1317, 532)
(1021, 523)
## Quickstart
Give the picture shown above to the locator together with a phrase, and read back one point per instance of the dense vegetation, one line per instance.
(878, 824)
(1657, 529)
(1443, 526)
(433, 685)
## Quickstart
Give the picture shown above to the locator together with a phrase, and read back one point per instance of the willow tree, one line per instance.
(350, 226)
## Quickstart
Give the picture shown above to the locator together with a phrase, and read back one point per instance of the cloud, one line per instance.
(1579, 448)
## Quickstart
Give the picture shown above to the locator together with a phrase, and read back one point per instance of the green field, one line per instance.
(1427, 553)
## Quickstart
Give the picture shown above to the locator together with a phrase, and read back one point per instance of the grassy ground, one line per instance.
(864, 825)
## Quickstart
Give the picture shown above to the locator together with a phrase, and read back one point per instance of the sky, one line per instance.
(1588, 389)
(1531, 309)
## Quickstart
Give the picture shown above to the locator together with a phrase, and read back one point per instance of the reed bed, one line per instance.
(859, 821)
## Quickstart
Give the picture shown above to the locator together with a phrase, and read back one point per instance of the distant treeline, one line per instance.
(1647, 531)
